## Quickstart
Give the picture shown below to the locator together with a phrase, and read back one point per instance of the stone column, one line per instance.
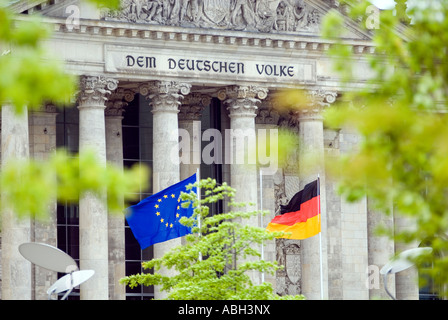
(289, 279)
(380, 251)
(242, 103)
(406, 281)
(311, 164)
(190, 121)
(93, 224)
(42, 127)
(116, 224)
(267, 120)
(16, 270)
(165, 98)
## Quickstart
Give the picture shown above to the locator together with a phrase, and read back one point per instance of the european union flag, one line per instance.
(156, 218)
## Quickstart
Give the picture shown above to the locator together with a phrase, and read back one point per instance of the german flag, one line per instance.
(301, 216)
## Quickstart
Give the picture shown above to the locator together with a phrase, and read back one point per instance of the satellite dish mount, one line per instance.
(54, 259)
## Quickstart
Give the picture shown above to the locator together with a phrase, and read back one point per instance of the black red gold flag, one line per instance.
(300, 218)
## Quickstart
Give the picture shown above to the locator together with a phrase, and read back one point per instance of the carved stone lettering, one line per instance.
(275, 70)
(197, 64)
(141, 61)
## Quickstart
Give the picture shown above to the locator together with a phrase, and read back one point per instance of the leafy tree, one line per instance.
(401, 163)
(219, 254)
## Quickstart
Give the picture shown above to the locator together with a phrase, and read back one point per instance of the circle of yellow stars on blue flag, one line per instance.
(159, 205)
(157, 218)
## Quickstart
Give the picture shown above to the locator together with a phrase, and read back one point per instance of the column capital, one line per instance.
(267, 114)
(193, 105)
(94, 90)
(242, 100)
(117, 101)
(165, 96)
(316, 102)
(49, 108)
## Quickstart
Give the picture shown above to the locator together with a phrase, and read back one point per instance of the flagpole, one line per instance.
(199, 206)
(261, 220)
(320, 243)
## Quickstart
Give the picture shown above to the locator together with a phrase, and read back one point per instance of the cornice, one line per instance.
(115, 30)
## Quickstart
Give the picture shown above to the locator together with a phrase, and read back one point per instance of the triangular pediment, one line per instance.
(295, 17)
(50, 8)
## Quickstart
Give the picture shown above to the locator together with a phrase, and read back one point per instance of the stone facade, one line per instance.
(179, 55)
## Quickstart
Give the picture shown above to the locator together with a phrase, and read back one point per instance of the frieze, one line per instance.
(271, 16)
(141, 60)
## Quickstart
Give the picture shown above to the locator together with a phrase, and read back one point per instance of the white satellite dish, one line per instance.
(54, 259)
(48, 257)
(402, 262)
(69, 281)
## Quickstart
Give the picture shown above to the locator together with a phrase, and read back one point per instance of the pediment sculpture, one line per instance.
(282, 16)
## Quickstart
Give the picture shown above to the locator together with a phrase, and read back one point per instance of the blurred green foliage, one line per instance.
(110, 4)
(401, 163)
(29, 79)
(215, 262)
(31, 186)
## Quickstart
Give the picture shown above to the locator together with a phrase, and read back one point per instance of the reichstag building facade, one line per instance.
(158, 66)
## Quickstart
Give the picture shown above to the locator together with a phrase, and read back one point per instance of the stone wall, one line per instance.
(347, 230)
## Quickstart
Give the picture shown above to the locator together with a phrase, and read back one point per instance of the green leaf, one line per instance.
(228, 249)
